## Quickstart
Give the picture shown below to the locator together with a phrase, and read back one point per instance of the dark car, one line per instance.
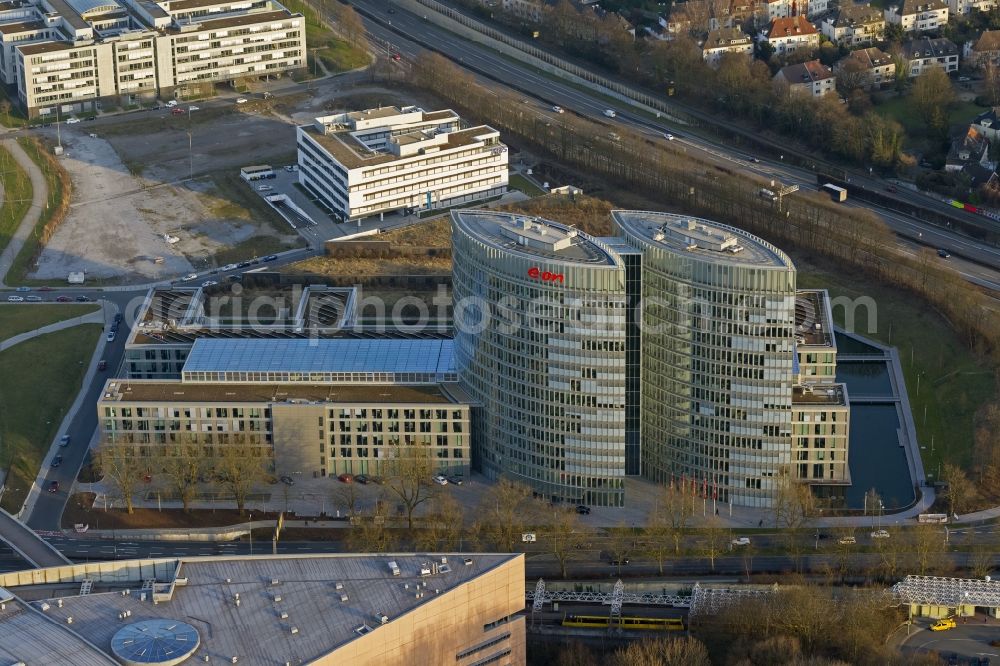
(620, 563)
(63, 299)
(891, 188)
(583, 510)
(755, 160)
(288, 481)
(244, 264)
(362, 479)
(54, 487)
(270, 257)
(57, 461)
(118, 317)
(457, 480)
(82, 299)
(235, 278)
(944, 254)
(102, 365)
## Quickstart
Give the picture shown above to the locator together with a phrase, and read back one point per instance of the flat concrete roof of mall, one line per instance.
(303, 586)
(693, 236)
(530, 236)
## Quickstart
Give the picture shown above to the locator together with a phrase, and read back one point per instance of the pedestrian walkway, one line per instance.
(39, 194)
(96, 317)
(29, 545)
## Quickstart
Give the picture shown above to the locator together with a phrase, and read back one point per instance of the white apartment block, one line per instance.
(786, 8)
(962, 7)
(918, 15)
(372, 162)
(726, 40)
(77, 54)
(924, 53)
(853, 25)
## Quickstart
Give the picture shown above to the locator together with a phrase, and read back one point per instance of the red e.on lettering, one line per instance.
(545, 276)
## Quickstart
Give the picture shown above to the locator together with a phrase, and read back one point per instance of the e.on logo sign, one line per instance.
(545, 276)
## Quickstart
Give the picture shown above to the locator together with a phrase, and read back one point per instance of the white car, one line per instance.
(241, 100)
(172, 103)
(880, 534)
(34, 299)
(228, 267)
(440, 480)
(189, 277)
(15, 299)
(72, 121)
(610, 113)
(558, 109)
(209, 283)
(741, 541)
(668, 136)
(264, 188)
(171, 239)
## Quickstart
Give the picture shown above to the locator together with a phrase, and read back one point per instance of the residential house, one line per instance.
(924, 53)
(964, 7)
(987, 123)
(877, 66)
(810, 78)
(972, 148)
(852, 25)
(726, 40)
(786, 8)
(788, 35)
(918, 15)
(986, 50)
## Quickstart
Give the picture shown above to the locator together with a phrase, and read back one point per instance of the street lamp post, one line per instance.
(190, 151)
(251, 534)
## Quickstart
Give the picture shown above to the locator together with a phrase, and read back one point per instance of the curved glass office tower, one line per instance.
(717, 341)
(540, 345)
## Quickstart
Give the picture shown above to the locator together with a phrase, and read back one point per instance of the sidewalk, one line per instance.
(39, 194)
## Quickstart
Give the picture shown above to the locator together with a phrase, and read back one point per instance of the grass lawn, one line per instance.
(903, 110)
(15, 117)
(59, 190)
(335, 53)
(16, 196)
(41, 379)
(519, 182)
(953, 382)
(20, 318)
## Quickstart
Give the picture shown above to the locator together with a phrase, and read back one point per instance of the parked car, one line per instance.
(33, 299)
(440, 480)
(457, 480)
(944, 254)
(362, 479)
(620, 563)
(177, 111)
(583, 510)
(111, 335)
(172, 103)
(345, 478)
(102, 365)
(241, 100)
(23, 289)
(54, 487)
(288, 481)
(741, 541)
(880, 534)
(15, 299)
(944, 624)
(846, 540)
(64, 440)
(264, 188)
(118, 317)
(72, 121)
(57, 461)
(558, 109)
(964, 79)
(82, 299)
(63, 299)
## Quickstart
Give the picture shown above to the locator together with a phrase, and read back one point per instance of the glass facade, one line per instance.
(540, 344)
(716, 359)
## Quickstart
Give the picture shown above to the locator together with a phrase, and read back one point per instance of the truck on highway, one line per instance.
(838, 194)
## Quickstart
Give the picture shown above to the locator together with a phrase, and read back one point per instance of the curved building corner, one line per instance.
(540, 312)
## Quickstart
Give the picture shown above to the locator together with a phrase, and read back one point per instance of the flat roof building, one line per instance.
(78, 55)
(717, 354)
(358, 609)
(366, 163)
(540, 345)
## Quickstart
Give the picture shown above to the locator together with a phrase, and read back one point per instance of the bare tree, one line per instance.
(351, 25)
(240, 467)
(370, 532)
(442, 529)
(927, 549)
(712, 540)
(565, 535)
(408, 477)
(346, 497)
(503, 513)
(686, 651)
(121, 463)
(183, 467)
(621, 543)
(959, 491)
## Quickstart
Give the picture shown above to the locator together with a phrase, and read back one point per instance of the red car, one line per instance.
(395, 56)
(64, 299)
(177, 111)
(346, 478)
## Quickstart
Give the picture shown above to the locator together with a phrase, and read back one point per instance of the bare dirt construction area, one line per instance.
(128, 202)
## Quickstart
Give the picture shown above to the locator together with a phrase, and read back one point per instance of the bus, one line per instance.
(260, 172)
(627, 622)
(837, 193)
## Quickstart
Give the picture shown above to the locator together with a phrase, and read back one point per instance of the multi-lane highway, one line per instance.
(409, 35)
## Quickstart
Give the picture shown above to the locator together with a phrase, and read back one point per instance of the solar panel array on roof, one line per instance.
(323, 355)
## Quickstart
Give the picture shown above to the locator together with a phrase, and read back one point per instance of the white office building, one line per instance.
(366, 163)
(78, 55)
